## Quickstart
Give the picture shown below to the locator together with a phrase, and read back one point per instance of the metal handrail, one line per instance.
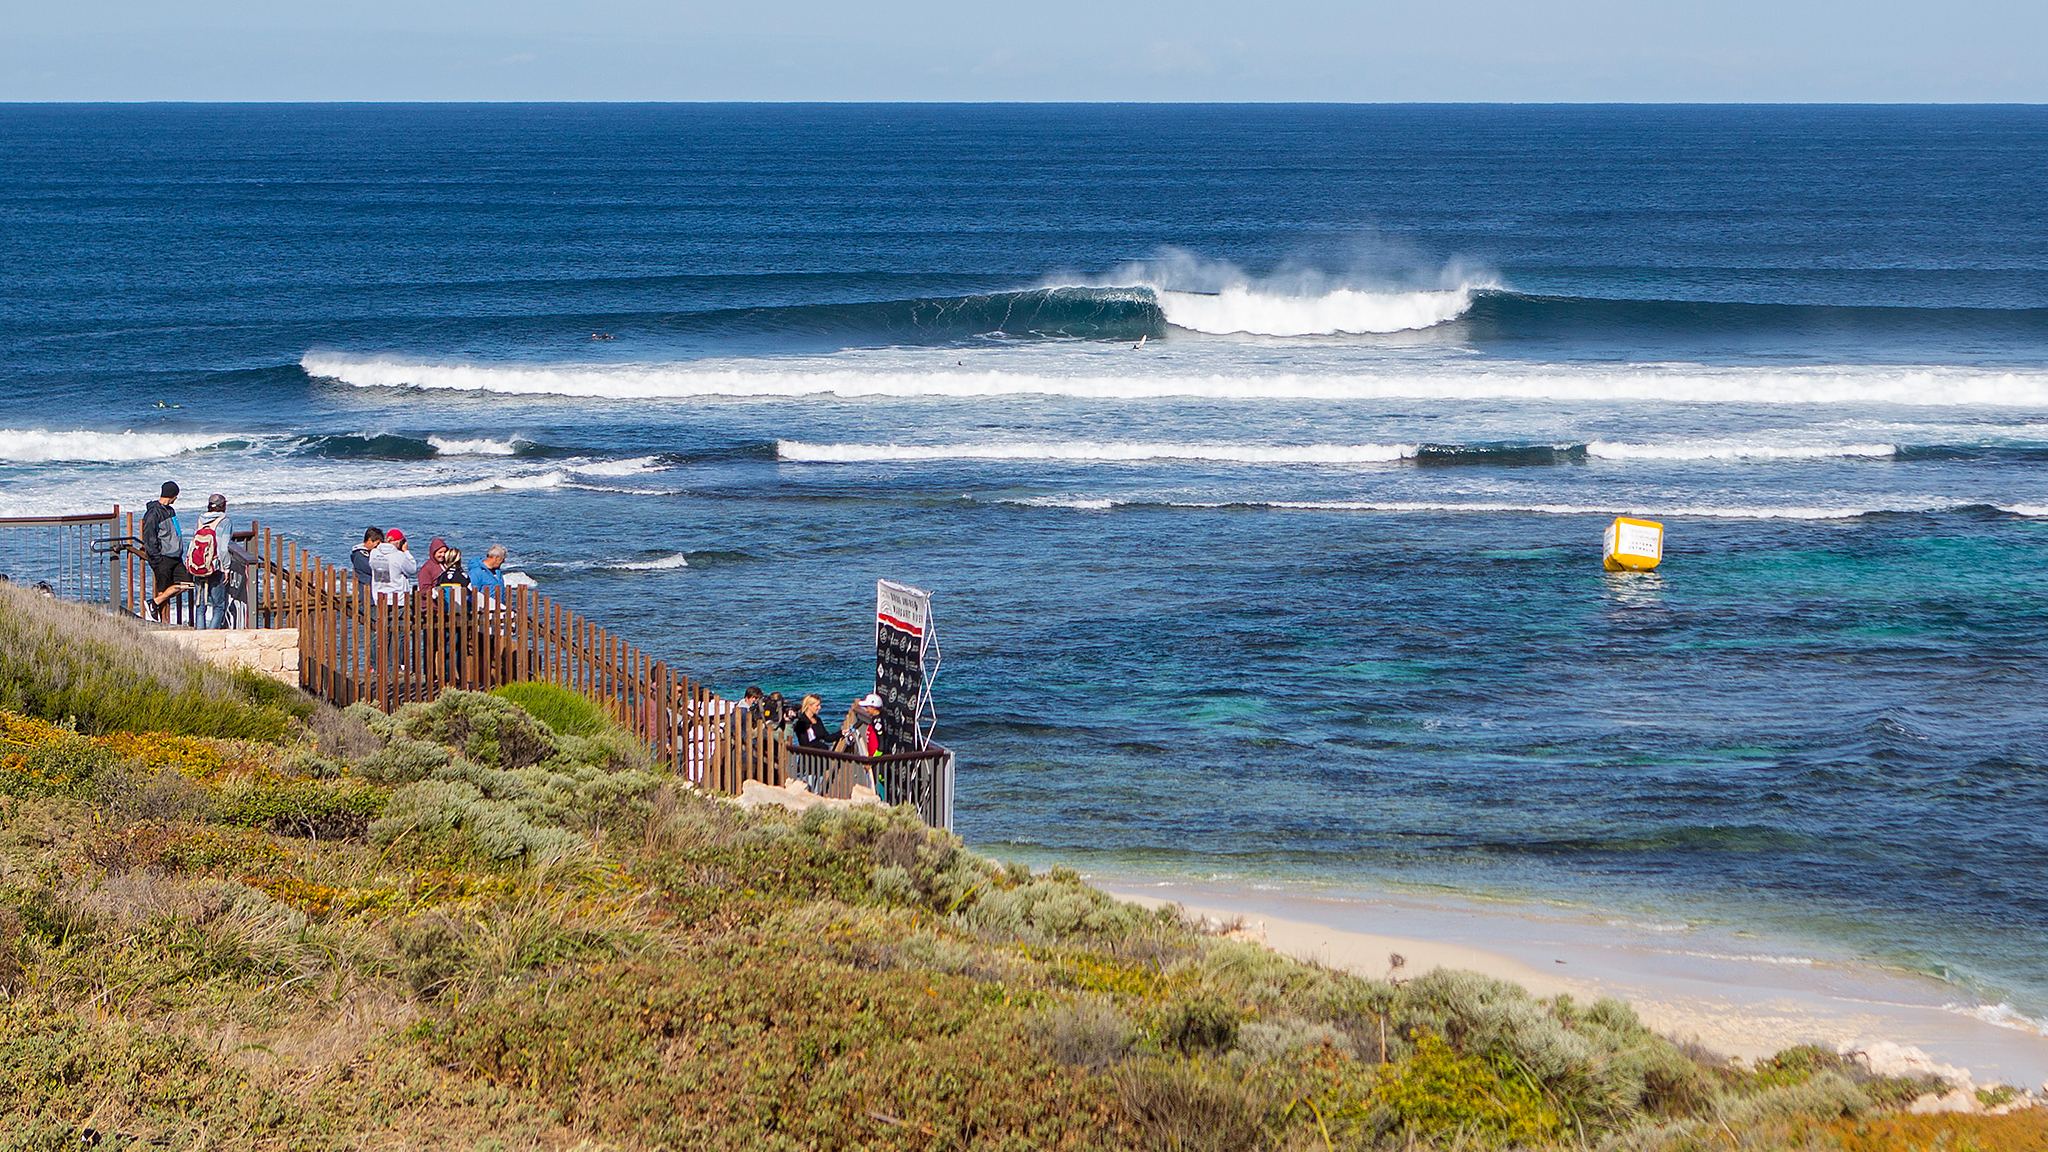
(923, 779)
(54, 521)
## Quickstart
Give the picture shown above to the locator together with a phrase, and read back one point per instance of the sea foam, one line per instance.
(1093, 451)
(1241, 308)
(1666, 383)
(1734, 450)
(410, 491)
(38, 445)
(1493, 507)
(474, 447)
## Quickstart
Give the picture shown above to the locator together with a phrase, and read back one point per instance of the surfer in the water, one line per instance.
(601, 336)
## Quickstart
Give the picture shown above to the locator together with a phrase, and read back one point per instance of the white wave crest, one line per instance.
(413, 491)
(664, 564)
(39, 446)
(1734, 450)
(474, 447)
(632, 467)
(2002, 1015)
(1078, 503)
(1668, 383)
(1703, 511)
(1345, 311)
(1084, 450)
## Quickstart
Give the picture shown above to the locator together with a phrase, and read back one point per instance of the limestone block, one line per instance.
(797, 797)
(273, 652)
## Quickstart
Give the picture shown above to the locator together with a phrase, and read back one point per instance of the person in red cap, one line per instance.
(861, 734)
(392, 568)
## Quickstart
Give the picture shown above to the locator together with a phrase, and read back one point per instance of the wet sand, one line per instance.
(1736, 994)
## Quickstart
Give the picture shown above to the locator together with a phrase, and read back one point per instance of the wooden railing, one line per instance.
(355, 647)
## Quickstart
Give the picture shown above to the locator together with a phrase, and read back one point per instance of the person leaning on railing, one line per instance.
(861, 732)
(163, 548)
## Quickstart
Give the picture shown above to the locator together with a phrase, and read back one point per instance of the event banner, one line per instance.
(903, 618)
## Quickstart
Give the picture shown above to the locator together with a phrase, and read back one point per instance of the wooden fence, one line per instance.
(355, 647)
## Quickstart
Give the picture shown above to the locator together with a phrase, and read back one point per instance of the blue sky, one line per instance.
(1569, 50)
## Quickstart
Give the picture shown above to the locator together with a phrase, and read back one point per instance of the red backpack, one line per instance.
(202, 555)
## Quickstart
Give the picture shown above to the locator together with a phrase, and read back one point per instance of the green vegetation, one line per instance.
(460, 927)
(65, 662)
(568, 712)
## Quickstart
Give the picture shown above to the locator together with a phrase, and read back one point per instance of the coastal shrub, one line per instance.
(2022, 1131)
(566, 711)
(60, 1069)
(1824, 1096)
(1205, 1024)
(506, 814)
(802, 1053)
(487, 729)
(1276, 1038)
(343, 734)
(62, 661)
(1191, 1105)
(1441, 1092)
(1055, 907)
(1089, 1033)
(67, 765)
(320, 809)
(432, 951)
(403, 760)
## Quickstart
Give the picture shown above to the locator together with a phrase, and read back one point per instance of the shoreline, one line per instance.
(1692, 985)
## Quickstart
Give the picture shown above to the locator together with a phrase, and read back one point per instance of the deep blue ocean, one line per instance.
(1257, 457)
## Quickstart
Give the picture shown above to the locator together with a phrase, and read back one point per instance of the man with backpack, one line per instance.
(206, 558)
(163, 549)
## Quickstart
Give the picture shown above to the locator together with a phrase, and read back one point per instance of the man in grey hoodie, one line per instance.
(163, 548)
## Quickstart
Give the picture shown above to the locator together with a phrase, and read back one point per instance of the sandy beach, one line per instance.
(1735, 994)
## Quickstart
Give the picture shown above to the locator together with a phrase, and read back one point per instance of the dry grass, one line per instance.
(2014, 1132)
(678, 974)
(66, 662)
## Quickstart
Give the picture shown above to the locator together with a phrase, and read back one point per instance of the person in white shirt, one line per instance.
(392, 569)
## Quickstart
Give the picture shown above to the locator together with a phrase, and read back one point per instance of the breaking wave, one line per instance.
(475, 447)
(661, 564)
(1927, 386)
(41, 446)
(394, 446)
(1343, 311)
(798, 451)
(1700, 511)
(1735, 450)
(2001, 1015)
(411, 491)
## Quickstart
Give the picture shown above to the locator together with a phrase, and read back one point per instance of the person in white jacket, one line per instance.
(392, 569)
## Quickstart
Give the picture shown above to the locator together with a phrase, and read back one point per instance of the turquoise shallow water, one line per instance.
(1305, 587)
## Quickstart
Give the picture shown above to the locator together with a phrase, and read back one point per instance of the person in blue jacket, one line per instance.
(489, 577)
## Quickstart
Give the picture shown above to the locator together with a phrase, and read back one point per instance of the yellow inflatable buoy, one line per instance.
(1633, 545)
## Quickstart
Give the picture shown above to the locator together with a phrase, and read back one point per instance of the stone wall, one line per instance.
(272, 651)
